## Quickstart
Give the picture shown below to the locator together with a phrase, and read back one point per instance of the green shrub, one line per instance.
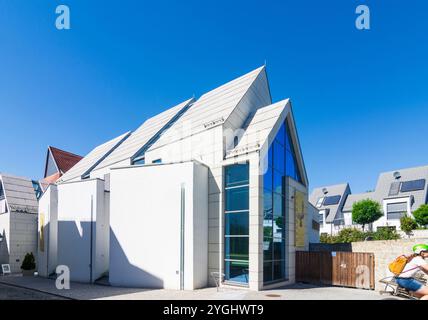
(348, 235)
(326, 238)
(386, 233)
(29, 262)
(421, 215)
(408, 224)
(366, 211)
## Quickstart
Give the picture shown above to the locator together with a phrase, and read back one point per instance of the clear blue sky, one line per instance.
(360, 97)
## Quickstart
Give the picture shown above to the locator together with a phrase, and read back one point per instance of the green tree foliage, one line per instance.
(366, 211)
(408, 224)
(421, 215)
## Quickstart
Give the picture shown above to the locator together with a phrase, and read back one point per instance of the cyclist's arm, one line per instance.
(424, 268)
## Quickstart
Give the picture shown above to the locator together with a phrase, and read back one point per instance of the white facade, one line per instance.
(159, 223)
(192, 144)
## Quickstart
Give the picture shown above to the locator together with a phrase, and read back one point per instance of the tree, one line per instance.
(421, 215)
(408, 224)
(366, 211)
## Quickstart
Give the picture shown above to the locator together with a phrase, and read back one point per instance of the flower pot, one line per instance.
(28, 273)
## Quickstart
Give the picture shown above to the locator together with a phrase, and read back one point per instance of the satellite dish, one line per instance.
(324, 190)
(397, 175)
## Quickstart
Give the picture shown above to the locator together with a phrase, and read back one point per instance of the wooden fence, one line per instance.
(345, 269)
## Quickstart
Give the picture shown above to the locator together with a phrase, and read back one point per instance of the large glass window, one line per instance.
(281, 163)
(236, 231)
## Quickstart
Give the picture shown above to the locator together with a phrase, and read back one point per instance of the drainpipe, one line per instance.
(182, 230)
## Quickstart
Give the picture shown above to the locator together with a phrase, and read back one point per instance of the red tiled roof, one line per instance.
(64, 160)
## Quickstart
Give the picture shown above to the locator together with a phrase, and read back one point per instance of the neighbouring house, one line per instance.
(215, 184)
(400, 192)
(58, 162)
(18, 219)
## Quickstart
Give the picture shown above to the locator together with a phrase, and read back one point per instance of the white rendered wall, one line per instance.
(145, 220)
(81, 221)
(48, 207)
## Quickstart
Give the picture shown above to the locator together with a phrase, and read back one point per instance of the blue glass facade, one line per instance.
(281, 163)
(236, 231)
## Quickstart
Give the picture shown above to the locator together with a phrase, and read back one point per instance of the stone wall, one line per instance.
(385, 252)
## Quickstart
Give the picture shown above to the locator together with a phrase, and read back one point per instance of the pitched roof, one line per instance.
(142, 136)
(343, 190)
(64, 160)
(352, 198)
(259, 126)
(211, 109)
(93, 158)
(19, 193)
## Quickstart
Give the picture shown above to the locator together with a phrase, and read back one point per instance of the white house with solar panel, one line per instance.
(400, 193)
(212, 188)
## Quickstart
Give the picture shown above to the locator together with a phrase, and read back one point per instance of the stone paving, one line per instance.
(81, 291)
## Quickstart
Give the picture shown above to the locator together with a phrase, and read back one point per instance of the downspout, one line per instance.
(91, 239)
(182, 230)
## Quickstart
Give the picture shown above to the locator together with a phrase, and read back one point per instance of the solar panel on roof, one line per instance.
(413, 185)
(331, 201)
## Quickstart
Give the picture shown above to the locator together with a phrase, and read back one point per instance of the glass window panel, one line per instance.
(270, 157)
(279, 158)
(267, 271)
(268, 228)
(290, 165)
(267, 204)
(278, 249)
(278, 205)
(237, 223)
(278, 182)
(279, 270)
(236, 271)
(267, 179)
(280, 136)
(236, 248)
(237, 175)
(267, 248)
(237, 199)
(278, 226)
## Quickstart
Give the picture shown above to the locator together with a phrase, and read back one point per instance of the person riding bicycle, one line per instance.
(416, 263)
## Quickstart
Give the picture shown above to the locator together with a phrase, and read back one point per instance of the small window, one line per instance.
(319, 202)
(157, 161)
(139, 161)
(331, 201)
(396, 210)
(1, 190)
(413, 185)
(235, 141)
(321, 219)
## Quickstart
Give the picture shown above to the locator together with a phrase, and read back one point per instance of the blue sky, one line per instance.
(360, 98)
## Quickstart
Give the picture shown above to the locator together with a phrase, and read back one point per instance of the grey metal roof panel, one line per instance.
(92, 158)
(141, 136)
(19, 193)
(212, 108)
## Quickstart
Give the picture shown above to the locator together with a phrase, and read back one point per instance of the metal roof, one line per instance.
(342, 190)
(214, 108)
(141, 136)
(19, 193)
(93, 158)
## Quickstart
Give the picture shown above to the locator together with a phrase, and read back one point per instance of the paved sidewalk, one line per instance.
(81, 291)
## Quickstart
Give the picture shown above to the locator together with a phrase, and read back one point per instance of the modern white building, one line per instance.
(215, 184)
(18, 219)
(399, 192)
